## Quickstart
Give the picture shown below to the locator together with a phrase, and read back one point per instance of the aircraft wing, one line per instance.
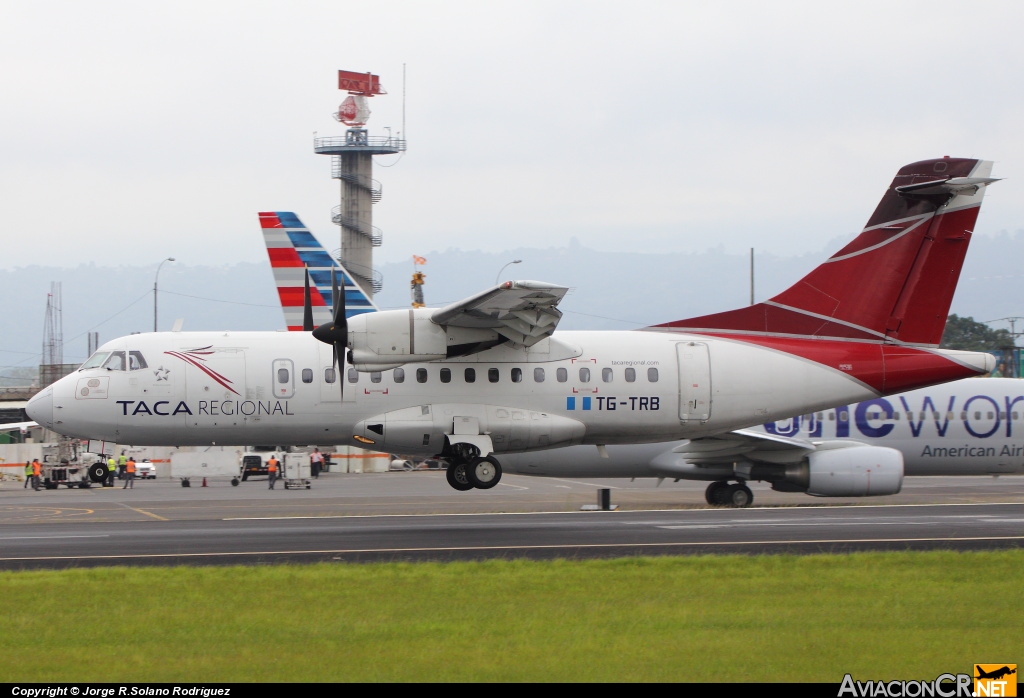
(18, 426)
(523, 312)
(755, 446)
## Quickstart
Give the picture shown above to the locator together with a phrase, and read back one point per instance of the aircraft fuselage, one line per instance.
(201, 388)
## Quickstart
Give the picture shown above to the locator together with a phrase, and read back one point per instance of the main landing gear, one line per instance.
(468, 470)
(723, 494)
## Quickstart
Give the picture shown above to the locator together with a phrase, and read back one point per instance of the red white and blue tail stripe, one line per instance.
(292, 249)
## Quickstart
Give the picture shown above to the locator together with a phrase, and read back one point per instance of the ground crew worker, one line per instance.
(129, 474)
(316, 462)
(28, 474)
(272, 471)
(111, 470)
(37, 470)
(122, 461)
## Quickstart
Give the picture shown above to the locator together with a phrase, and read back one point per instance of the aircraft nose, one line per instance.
(40, 408)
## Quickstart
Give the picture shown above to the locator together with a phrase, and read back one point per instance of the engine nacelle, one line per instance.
(858, 471)
(392, 338)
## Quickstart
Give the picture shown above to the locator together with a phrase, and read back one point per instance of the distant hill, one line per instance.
(609, 290)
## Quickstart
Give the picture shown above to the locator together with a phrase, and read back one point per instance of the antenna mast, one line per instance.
(53, 337)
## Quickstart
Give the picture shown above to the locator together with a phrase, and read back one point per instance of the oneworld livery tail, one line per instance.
(292, 249)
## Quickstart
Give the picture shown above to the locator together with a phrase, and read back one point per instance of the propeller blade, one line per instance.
(340, 361)
(340, 314)
(334, 294)
(307, 307)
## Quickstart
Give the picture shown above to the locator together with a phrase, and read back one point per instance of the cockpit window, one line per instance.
(96, 360)
(136, 361)
(115, 362)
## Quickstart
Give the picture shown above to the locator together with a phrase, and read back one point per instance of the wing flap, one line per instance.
(524, 312)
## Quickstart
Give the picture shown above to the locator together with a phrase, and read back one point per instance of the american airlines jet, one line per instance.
(489, 376)
(973, 426)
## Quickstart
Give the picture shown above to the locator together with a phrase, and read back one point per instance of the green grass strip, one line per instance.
(707, 618)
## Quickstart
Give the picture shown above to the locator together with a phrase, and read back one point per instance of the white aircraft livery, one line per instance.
(489, 375)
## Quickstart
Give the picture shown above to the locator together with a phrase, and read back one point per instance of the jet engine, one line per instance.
(392, 338)
(860, 471)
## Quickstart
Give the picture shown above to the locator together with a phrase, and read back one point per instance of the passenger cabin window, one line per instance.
(538, 375)
(470, 375)
(652, 375)
(375, 376)
(115, 362)
(399, 375)
(96, 360)
(421, 375)
(282, 375)
(330, 375)
(136, 361)
(517, 375)
(307, 375)
(353, 376)
(606, 375)
(562, 375)
(584, 375)
(492, 375)
(446, 375)
(630, 375)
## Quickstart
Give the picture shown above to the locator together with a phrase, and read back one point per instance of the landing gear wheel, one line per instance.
(739, 496)
(98, 472)
(715, 493)
(234, 482)
(483, 472)
(457, 478)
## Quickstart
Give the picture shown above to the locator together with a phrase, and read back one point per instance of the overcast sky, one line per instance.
(133, 131)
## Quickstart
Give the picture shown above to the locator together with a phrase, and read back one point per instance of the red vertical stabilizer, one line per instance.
(894, 283)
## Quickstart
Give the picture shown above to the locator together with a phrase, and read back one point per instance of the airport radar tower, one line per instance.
(352, 163)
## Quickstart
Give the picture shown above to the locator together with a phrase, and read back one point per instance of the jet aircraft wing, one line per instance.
(523, 312)
(18, 426)
(757, 446)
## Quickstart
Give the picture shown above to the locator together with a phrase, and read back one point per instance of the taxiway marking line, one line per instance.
(144, 512)
(98, 535)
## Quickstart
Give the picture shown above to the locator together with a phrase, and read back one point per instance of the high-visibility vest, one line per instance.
(111, 463)
(122, 459)
(130, 466)
(36, 468)
(272, 465)
(29, 470)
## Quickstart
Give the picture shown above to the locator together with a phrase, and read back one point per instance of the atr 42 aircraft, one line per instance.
(960, 428)
(488, 376)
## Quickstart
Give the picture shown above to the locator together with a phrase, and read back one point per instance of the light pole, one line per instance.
(498, 278)
(155, 278)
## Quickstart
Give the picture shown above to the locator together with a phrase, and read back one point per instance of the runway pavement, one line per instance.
(416, 516)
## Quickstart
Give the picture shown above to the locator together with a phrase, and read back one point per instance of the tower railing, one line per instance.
(335, 143)
(362, 181)
(375, 234)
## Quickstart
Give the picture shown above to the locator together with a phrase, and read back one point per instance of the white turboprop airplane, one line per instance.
(959, 428)
(488, 376)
